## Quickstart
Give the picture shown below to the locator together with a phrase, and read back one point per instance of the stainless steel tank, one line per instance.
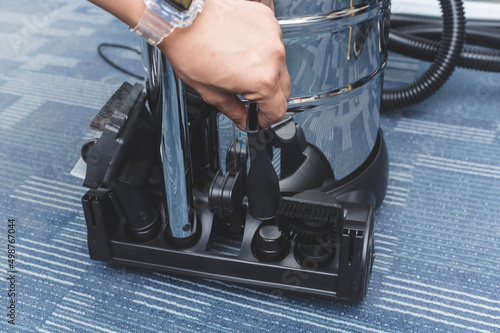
(336, 50)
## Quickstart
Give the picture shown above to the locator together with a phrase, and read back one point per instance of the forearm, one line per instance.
(127, 11)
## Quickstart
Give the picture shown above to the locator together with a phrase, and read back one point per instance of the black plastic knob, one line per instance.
(270, 244)
(312, 256)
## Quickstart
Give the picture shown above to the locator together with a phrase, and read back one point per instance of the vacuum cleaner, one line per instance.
(176, 188)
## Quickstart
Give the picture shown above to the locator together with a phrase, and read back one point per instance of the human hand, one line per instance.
(268, 3)
(234, 47)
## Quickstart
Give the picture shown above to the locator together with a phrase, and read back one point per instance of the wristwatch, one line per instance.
(161, 17)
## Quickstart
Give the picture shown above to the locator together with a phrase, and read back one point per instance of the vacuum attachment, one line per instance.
(123, 158)
(104, 155)
(312, 220)
(225, 196)
(263, 189)
(303, 165)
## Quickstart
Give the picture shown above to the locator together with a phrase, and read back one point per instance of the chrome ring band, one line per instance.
(351, 13)
(298, 102)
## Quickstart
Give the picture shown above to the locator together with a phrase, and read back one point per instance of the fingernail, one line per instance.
(241, 127)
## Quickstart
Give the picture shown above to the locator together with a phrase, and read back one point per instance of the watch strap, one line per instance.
(161, 18)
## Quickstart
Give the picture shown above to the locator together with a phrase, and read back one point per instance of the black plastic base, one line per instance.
(341, 271)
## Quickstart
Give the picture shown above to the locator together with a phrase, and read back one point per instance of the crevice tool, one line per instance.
(263, 189)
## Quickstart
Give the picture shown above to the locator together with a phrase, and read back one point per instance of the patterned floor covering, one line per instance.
(437, 233)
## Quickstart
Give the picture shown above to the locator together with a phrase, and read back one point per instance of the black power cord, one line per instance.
(114, 65)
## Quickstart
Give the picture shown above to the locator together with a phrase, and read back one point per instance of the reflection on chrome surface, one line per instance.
(166, 101)
(336, 51)
(296, 9)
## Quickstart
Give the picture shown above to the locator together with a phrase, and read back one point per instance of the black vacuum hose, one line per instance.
(425, 49)
(473, 36)
(401, 20)
(448, 56)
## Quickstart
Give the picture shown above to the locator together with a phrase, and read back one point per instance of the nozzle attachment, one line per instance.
(263, 189)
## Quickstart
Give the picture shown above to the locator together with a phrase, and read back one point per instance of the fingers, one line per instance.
(273, 109)
(273, 97)
(272, 100)
(285, 83)
(230, 105)
(268, 3)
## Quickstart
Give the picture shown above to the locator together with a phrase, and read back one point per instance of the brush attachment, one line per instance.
(123, 159)
(310, 218)
(117, 121)
(98, 123)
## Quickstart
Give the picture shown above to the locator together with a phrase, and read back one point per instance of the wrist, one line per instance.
(162, 17)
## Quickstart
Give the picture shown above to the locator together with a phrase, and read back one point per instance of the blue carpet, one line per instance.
(437, 233)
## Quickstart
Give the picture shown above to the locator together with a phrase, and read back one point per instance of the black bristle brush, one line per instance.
(112, 105)
(311, 217)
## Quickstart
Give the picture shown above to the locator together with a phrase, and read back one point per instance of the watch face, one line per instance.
(181, 5)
